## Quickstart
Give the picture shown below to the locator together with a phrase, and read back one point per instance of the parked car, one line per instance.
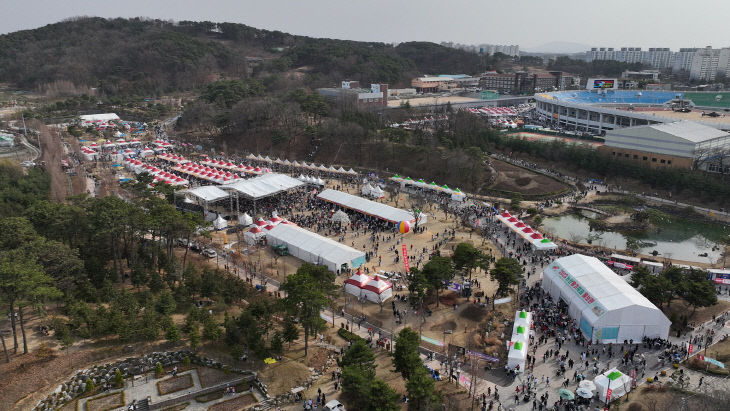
(182, 242)
(333, 405)
(210, 253)
(196, 247)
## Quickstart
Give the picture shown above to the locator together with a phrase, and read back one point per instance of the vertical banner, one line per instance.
(690, 349)
(608, 394)
(405, 259)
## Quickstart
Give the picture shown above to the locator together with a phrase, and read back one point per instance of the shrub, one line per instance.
(159, 371)
(348, 336)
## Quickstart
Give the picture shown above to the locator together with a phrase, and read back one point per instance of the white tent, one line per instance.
(517, 355)
(340, 217)
(366, 189)
(607, 308)
(364, 206)
(245, 219)
(523, 318)
(263, 186)
(220, 223)
(314, 248)
(618, 382)
(457, 195)
(377, 290)
(377, 192)
(521, 333)
(206, 193)
(252, 236)
(355, 283)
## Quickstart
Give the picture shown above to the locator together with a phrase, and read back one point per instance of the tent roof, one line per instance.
(312, 243)
(382, 211)
(263, 186)
(599, 281)
(207, 193)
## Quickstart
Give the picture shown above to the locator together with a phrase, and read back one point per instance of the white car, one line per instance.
(333, 405)
(209, 252)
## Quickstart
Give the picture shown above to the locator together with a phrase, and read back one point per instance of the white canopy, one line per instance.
(245, 219)
(314, 248)
(608, 309)
(206, 193)
(361, 205)
(618, 382)
(252, 236)
(517, 355)
(340, 217)
(263, 186)
(355, 283)
(220, 223)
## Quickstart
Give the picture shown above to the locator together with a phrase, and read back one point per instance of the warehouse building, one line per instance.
(607, 309)
(679, 144)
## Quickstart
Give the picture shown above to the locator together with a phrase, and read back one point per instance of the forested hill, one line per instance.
(142, 56)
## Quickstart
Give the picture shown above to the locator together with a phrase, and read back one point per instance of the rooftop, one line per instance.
(689, 130)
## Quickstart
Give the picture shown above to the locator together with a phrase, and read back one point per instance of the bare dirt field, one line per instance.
(513, 178)
(239, 403)
(430, 101)
(106, 402)
(548, 138)
(175, 384)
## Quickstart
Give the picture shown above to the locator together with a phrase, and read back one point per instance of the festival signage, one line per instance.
(608, 394)
(502, 300)
(711, 361)
(690, 349)
(597, 308)
(405, 259)
(482, 356)
(432, 341)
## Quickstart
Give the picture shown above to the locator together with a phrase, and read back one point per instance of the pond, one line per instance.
(679, 240)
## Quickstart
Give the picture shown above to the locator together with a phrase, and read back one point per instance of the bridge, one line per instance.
(591, 209)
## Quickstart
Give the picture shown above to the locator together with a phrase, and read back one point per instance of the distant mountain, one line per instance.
(560, 47)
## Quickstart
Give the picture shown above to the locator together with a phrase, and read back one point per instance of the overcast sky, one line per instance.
(529, 23)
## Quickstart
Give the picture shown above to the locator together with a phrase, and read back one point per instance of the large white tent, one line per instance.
(263, 186)
(607, 308)
(618, 382)
(375, 209)
(314, 248)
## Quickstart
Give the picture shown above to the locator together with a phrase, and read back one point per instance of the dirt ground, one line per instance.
(430, 101)
(655, 398)
(239, 403)
(105, 402)
(543, 137)
(513, 178)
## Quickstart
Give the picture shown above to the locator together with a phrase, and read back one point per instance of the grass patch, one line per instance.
(106, 402)
(175, 384)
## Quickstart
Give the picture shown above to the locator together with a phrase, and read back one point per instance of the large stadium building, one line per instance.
(598, 111)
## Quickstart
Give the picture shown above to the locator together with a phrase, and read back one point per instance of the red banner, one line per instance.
(608, 394)
(405, 259)
(690, 349)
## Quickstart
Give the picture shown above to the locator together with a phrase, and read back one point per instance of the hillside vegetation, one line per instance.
(148, 57)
